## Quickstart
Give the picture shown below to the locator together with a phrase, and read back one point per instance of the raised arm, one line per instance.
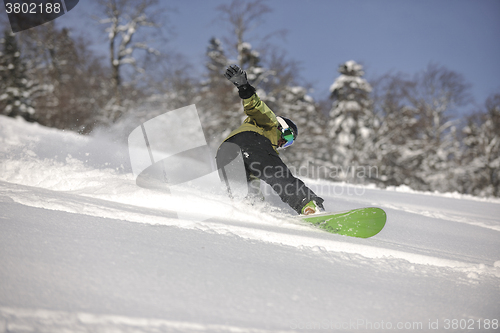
(260, 112)
(252, 104)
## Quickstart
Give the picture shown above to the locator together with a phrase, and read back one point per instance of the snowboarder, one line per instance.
(259, 138)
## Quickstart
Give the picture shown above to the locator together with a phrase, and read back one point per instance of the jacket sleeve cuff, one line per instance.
(246, 91)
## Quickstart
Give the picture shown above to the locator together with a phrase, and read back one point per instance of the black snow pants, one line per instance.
(262, 161)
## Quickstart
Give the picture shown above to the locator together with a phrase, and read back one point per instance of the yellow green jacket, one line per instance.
(261, 119)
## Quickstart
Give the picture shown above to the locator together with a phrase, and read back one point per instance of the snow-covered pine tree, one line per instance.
(250, 60)
(216, 59)
(219, 105)
(352, 121)
(397, 159)
(480, 170)
(15, 87)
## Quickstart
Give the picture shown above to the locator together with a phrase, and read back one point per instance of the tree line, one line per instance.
(403, 129)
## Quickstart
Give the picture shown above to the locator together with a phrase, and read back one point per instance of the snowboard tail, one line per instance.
(361, 222)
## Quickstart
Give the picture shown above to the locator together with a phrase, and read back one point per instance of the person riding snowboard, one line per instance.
(259, 138)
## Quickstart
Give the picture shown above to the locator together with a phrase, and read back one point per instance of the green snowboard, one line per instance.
(361, 222)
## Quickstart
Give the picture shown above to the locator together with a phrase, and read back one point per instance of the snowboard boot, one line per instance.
(312, 208)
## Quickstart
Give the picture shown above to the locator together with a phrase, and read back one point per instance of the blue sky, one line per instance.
(384, 35)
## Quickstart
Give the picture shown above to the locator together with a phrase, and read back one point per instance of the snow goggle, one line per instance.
(286, 132)
(287, 135)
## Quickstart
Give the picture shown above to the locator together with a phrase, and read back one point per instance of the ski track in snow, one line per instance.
(26, 320)
(485, 220)
(81, 175)
(489, 222)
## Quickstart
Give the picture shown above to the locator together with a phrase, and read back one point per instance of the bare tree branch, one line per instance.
(124, 19)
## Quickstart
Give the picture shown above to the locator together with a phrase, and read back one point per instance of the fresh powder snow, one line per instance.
(84, 249)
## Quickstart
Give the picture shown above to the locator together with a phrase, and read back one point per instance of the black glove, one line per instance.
(239, 78)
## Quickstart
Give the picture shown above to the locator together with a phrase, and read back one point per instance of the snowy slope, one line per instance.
(82, 248)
